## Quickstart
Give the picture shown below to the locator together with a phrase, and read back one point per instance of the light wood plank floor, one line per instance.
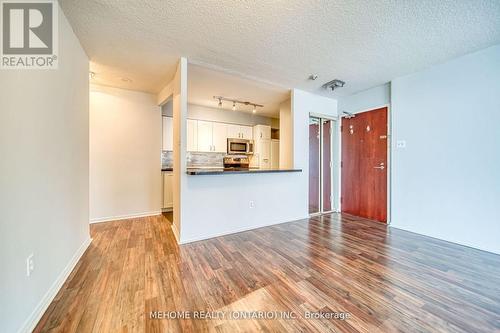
(387, 280)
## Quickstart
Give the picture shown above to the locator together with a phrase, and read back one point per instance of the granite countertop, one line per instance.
(222, 171)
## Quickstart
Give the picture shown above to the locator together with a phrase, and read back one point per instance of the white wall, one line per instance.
(44, 187)
(179, 99)
(366, 100)
(446, 183)
(125, 159)
(217, 205)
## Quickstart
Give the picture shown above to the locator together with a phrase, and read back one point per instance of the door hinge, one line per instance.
(341, 164)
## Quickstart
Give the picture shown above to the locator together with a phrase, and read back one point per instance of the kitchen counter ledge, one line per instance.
(200, 172)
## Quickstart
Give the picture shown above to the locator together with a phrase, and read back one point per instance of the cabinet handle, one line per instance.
(261, 135)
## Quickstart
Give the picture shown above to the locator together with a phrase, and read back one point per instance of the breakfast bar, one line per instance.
(232, 171)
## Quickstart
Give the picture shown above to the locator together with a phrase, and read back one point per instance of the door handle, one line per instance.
(381, 166)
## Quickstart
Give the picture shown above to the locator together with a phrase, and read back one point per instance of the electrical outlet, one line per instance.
(401, 144)
(30, 264)
(251, 204)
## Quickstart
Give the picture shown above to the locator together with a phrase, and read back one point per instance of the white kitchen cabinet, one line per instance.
(205, 130)
(233, 131)
(192, 135)
(167, 133)
(246, 132)
(212, 136)
(262, 132)
(275, 154)
(240, 132)
(219, 137)
(168, 195)
(264, 147)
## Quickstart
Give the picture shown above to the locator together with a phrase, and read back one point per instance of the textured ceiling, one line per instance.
(205, 83)
(365, 43)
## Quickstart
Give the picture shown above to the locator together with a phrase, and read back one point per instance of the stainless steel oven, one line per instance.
(239, 146)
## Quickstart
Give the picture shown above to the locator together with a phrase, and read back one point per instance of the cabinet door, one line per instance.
(265, 154)
(219, 137)
(204, 136)
(192, 137)
(168, 195)
(246, 132)
(266, 132)
(262, 132)
(233, 131)
(275, 154)
(167, 133)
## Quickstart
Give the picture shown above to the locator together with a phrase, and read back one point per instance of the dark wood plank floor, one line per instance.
(387, 280)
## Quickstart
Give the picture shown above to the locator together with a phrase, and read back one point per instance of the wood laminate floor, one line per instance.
(386, 280)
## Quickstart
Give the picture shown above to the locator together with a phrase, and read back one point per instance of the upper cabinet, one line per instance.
(167, 133)
(246, 132)
(192, 135)
(219, 137)
(204, 136)
(239, 132)
(262, 132)
(209, 136)
(233, 131)
(212, 137)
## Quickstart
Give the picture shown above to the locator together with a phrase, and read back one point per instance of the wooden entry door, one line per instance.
(364, 165)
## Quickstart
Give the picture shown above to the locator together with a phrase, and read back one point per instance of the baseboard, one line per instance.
(464, 244)
(30, 323)
(176, 232)
(237, 230)
(124, 217)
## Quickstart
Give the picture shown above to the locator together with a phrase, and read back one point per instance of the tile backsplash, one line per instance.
(167, 159)
(194, 159)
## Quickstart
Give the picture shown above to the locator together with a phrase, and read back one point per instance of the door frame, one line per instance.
(335, 160)
(389, 154)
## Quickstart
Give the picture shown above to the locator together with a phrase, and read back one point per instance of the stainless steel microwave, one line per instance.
(239, 146)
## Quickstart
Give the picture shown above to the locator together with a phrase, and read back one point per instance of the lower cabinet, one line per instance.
(168, 196)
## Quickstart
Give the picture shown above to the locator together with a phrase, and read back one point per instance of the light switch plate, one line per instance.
(30, 265)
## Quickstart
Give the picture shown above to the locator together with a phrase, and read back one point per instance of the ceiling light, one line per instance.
(234, 106)
(220, 103)
(91, 75)
(334, 84)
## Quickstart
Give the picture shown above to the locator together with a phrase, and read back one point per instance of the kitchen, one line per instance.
(225, 133)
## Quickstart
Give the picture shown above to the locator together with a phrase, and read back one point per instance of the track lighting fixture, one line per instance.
(235, 101)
